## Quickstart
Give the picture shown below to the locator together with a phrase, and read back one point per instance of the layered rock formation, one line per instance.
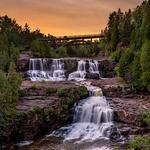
(43, 107)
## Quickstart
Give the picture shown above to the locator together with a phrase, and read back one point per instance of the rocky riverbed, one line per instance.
(46, 106)
(124, 105)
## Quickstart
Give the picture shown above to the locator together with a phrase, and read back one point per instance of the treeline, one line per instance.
(127, 40)
(13, 40)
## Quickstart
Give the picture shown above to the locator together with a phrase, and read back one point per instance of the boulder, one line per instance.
(92, 76)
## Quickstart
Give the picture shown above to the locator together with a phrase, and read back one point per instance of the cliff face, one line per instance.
(43, 107)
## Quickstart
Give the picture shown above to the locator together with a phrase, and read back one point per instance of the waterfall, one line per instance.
(47, 70)
(94, 67)
(39, 70)
(93, 118)
(80, 74)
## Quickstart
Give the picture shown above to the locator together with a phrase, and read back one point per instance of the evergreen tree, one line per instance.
(145, 64)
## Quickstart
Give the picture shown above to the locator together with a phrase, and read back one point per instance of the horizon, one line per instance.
(64, 17)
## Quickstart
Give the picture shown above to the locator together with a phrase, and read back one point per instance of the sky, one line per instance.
(64, 17)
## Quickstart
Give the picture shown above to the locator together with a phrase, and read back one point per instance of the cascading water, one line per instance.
(80, 74)
(93, 66)
(40, 70)
(93, 119)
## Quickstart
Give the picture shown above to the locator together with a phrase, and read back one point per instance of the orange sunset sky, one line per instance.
(64, 17)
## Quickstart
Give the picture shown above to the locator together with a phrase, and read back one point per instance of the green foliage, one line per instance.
(61, 92)
(37, 110)
(83, 50)
(42, 49)
(14, 80)
(62, 52)
(50, 91)
(34, 86)
(130, 31)
(124, 62)
(116, 55)
(14, 52)
(136, 72)
(145, 118)
(145, 64)
(83, 92)
(9, 86)
(140, 143)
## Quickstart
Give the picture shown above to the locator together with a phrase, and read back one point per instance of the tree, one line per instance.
(137, 72)
(145, 64)
(7, 106)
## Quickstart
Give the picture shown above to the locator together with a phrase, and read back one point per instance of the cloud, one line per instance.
(64, 16)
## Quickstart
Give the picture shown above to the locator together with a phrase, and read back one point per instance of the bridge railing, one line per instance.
(73, 37)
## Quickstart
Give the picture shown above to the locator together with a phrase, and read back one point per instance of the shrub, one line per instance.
(50, 91)
(37, 110)
(116, 55)
(83, 92)
(62, 52)
(145, 118)
(140, 143)
(61, 92)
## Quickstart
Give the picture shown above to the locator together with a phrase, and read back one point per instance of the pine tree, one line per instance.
(145, 64)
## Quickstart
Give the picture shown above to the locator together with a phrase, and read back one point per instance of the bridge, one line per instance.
(73, 40)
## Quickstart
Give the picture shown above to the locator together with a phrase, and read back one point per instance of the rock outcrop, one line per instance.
(43, 107)
(126, 104)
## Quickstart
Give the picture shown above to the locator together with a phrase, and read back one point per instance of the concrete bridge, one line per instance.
(73, 40)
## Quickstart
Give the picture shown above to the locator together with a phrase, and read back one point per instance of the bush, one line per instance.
(116, 55)
(61, 92)
(140, 143)
(83, 92)
(62, 52)
(50, 91)
(145, 118)
(42, 49)
(37, 110)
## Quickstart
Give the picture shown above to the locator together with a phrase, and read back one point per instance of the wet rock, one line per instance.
(115, 134)
(92, 76)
